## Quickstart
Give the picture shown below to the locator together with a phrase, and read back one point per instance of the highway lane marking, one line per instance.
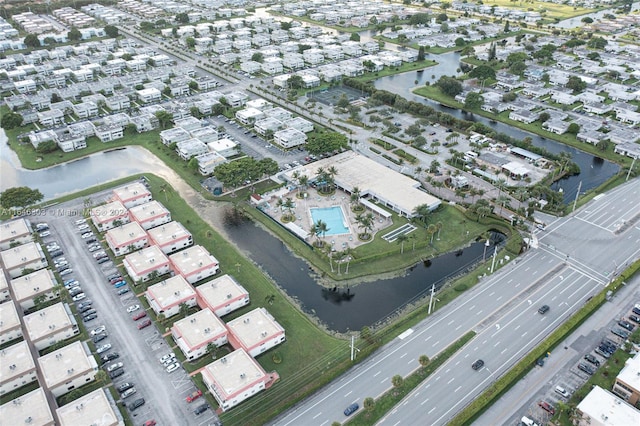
(497, 343)
(447, 370)
(411, 361)
(428, 338)
(459, 327)
(403, 355)
(427, 386)
(472, 308)
(317, 415)
(524, 334)
(509, 282)
(431, 411)
(492, 293)
(527, 268)
(424, 402)
(457, 389)
(505, 349)
(479, 312)
(384, 380)
(451, 322)
(379, 371)
(499, 298)
(437, 378)
(458, 362)
(434, 345)
(348, 393)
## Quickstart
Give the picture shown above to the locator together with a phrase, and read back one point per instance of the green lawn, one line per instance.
(553, 10)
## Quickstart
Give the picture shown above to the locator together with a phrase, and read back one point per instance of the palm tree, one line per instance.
(503, 200)
(439, 226)
(303, 181)
(397, 381)
(270, 298)
(355, 198)
(431, 230)
(422, 212)
(423, 360)
(401, 240)
(184, 309)
(315, 232)
(500, 184)
(366, 222)
(332, 172)
(321, 227)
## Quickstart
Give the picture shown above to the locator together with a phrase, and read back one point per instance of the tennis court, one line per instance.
(332, 95)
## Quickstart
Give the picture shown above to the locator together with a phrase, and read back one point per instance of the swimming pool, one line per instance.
(333, 217)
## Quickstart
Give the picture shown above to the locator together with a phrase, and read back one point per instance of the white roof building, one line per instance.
(109, 215)
(29, 409)
(132, 194)
(50, 325)
(194, 263)
(4, 287)
(255, 332)
(234, 378)
(14, 232)
(10, 327)
(126, 238)
(17, 368)
(29, 287)
(194, 333)
(602, 408)
(222, 295)
(170, 237)
(150, 215)
(144, 264)
(24, 257)
(167, 296)
(627, 383)
(94, 408)
(67, 368)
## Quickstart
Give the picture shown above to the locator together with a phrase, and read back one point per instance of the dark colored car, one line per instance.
(99, 337)
(547, 407)
(592, 359)
(634, 318)
(139, 315)
(109, 357)
(144, 324)
(90, 240)
(123, 291)
(543, 309)
(586, 368)
(114, 277)
(116, 373)
(602, 351)
(620, 332)
(636, 310)
(477, 365)
(201, 409)
(103, 260)
(89, 312)
(351, 409)
(123, 387)
(626, 325)
(89, 317)
(56, 253)
(136, 404)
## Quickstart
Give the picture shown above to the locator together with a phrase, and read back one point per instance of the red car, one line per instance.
(197, 394)
(150, 423)
(547, 407)
(144, 324)
(139, 315)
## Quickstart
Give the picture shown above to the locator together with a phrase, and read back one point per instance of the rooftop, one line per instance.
(47, 321)
(234, 372)
(630, 374)
(33, 284)
(20, 255)
(29, 409)
(192, 259)
(254, 327)
(9, 316)
(146, 259)
(175, 289)
(218, 292)
(146, 211)
(13, 229)
(108, 212)
(3, 281)
(16, 361)
(91, 409)
(167, 233)
(66, 363)
(199, 328)
(125, 234)
(607, 409)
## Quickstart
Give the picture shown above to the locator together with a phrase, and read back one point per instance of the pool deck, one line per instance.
(302, 213)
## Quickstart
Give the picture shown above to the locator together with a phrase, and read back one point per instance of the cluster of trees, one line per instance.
(11, 120)
(20, 196)
(327, 142)
(450, 86)
(326, 179)
(235, 173)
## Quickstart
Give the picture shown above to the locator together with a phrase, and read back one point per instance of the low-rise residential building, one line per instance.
(132, 194)
(68, 368)
(627, 383)
(602, 408)
(29, 409)
(95, 408)
(629, 149)
(17, 368)
(225, 147)
(23, 259)
(191, 148)
(255, 332)
(146, 264)
(118, 102)
(126, 238)
(167, 296)
(38, 286)
(149, 95)
(194, 263)
(289, 138)
(222, 295)
(109, 132)
(208, 162)
(150, 215)
(110, 215)
(51, 117)
(86, 109)
(10, 327)
(196, 332)
(175, 135)
(299, 124)
(170, 237)
(4, 287)
(235, 378)
(50, 325)
(14, 232)
(248, 116)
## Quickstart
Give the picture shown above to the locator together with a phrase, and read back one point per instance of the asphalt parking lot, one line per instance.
(139, 350)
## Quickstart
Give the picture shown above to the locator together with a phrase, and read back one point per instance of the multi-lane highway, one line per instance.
(573, 259)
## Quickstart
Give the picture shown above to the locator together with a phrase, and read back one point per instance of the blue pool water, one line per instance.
(333, 217)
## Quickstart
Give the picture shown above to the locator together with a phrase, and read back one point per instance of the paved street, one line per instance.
(503, 310)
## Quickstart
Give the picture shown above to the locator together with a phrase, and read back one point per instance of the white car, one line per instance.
(78, 297)
(99, 254)
(114, 366)
(98, 330)
(94, 247)
(173, 367)
(167, 357)
(87, 235)
(66, 272)
(103, 348)
(133, 308)
(83, 227)
(128, 393)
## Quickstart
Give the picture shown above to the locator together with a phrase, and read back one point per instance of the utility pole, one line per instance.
(433, 289)
(493, 262)
(631, 168)
(577, 195)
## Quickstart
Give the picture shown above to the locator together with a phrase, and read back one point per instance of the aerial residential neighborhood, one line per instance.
(372, 212)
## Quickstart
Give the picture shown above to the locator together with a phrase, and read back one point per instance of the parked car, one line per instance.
(103, 348)
(87, 235)
(99, 254)
(201, 409)
(167, 357)
(79, 297)
(139, 315)
(94, 247)
(114, 276)
(56, 253)
(120, 284)
(351, 409)
(89, 317)
(172, 367)
(109, 357)
(592, 359)
(586, 368)
(124, 386)
(626, 325)
(547, 407)
(634, 318)
(44, 234)
(98, 330)
(90, 240)
(103, 260)
(123, 291)
(41, 226)
(136, 404)
(477, 365)
(195, 395)
(144, 324)
(83, 227)
(99, 337)
(116, 373)
(81, 221)
(602, 351)
(126, 394)
(66, 272)
(620, 332)
(562, 391)
(84, 303)
(150, 423)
